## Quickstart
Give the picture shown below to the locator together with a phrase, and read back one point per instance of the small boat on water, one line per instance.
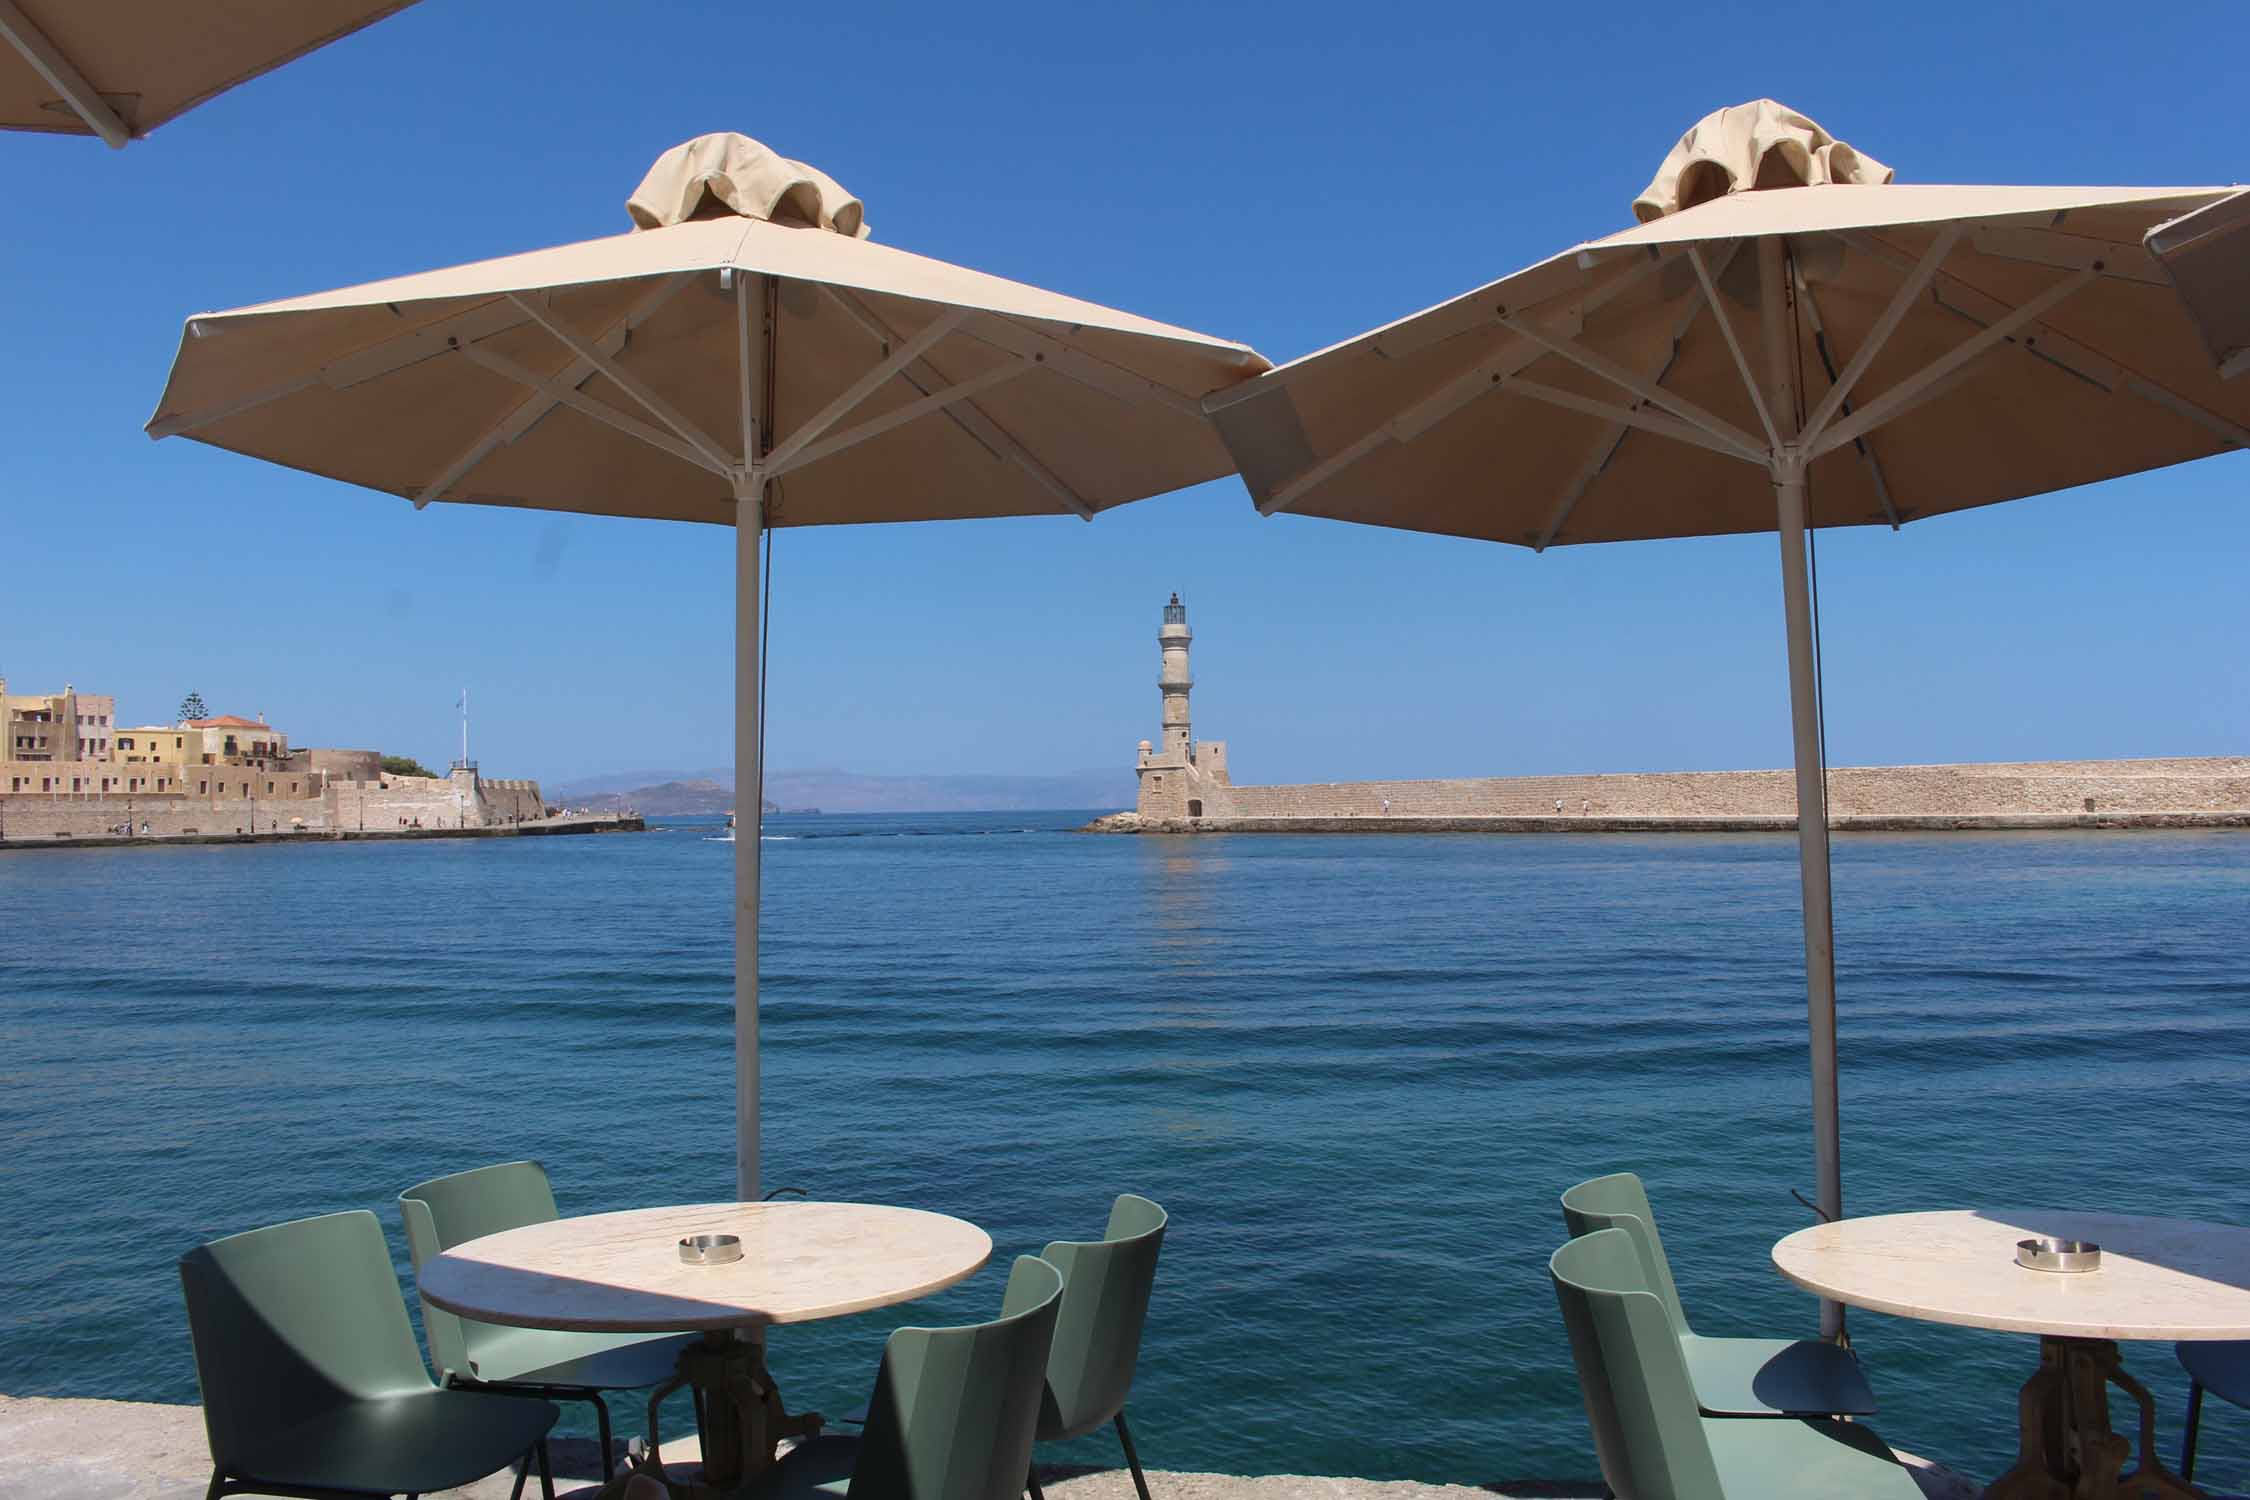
(722, 838)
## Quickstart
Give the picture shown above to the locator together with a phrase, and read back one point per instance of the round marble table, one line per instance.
(622, 1273)
(2162, 1279)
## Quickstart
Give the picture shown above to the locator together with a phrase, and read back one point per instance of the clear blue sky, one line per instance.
(1286, 175)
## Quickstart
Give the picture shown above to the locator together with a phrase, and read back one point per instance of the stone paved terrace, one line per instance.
(53, 1449)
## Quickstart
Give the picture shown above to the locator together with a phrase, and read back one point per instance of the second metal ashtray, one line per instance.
(2059, 1255)
(710, 1249)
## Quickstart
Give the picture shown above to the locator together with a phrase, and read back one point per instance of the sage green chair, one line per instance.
(448, 1211)
(1653, 1442)
(1734, 1377)
(312, 1385)
(1106, 1284)
(953, 1412)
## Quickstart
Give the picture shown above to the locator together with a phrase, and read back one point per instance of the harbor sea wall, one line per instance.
(2171, 791)
(462, 800)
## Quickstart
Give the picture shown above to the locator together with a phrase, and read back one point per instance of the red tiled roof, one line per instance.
(227, 721)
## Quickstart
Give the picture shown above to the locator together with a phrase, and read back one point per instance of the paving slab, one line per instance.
(70, 1449)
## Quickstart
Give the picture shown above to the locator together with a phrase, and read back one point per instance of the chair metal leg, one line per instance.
(2194, 1420)
(1031, 1484)
(601, 1422)
(1132, 1459)
(546, 1472)
(523, 1472)
(218, 1486)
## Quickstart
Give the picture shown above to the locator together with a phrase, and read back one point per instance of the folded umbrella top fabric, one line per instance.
(729, 173)
(1746, 147)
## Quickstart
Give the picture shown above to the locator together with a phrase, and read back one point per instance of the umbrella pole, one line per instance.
(749, 742)
(1812, 861)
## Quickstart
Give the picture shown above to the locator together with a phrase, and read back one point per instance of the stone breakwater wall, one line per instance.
(462, 800)
(2211, 790)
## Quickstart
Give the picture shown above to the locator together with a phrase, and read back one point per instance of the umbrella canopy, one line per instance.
(119, 68)
(1786, 338)
(744, 356)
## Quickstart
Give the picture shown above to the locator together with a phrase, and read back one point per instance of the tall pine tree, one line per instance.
(191, 707)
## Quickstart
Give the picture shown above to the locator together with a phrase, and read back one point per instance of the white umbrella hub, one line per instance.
(1752, 147)
(714, 176)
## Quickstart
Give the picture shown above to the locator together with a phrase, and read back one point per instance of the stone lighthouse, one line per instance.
(1182, 779)
(1172, 638)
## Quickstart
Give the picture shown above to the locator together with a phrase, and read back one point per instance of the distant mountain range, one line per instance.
(676, 792)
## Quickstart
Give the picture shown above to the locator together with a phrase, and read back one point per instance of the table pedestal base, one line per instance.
(741, 1413)
(2066, 1448)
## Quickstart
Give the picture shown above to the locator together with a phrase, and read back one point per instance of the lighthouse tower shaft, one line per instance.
(1173, 638)
(1181, 780)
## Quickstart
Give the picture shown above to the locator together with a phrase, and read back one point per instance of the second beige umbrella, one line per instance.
(1787, 339)
(745, 357)
(117, 69)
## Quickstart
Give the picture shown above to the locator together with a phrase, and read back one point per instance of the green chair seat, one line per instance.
(417, 1443)
(1651, 1439)
(310, 1379)
(1734, 1377)
(952, 1414)
(577, 1361)
(1790, 1460)
(1775, 1377)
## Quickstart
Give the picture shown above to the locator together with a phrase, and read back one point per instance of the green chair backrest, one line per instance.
(448, 1211)
(292, 1322)
(955, 1409)
(1618, 1201)
(1648, 1430)
(1106, 1286)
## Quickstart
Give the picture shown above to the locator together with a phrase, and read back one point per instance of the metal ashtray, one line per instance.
(710, 1249)
(2056, 1255)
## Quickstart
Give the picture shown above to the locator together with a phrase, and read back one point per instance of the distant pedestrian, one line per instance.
(1585, 806)
(1386, 807)
(1558, 807)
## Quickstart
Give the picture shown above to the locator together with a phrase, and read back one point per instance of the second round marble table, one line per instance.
(2160, 1279)
(622, 1272)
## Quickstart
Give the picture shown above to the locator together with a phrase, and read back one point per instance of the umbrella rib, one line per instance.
(780, 463)
(528, 412)
(656, 406)
(1866, 450)
(971, 418)
(2060, 350)
(1632, 416)
(600, 411)
(867, 385)
(62, 75)
(1880, 335)
(1687, 411)
(1734, 345)
(1931, 378)
(1604, 451)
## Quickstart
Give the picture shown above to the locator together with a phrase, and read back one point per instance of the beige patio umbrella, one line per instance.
(117, 69)
(1787, 339)
(745, 356)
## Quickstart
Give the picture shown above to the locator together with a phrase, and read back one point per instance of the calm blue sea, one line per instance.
(1358, 1070)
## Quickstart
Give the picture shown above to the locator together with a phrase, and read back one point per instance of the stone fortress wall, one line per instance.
(462, 799)
(1187, 786)
(2219, 784)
